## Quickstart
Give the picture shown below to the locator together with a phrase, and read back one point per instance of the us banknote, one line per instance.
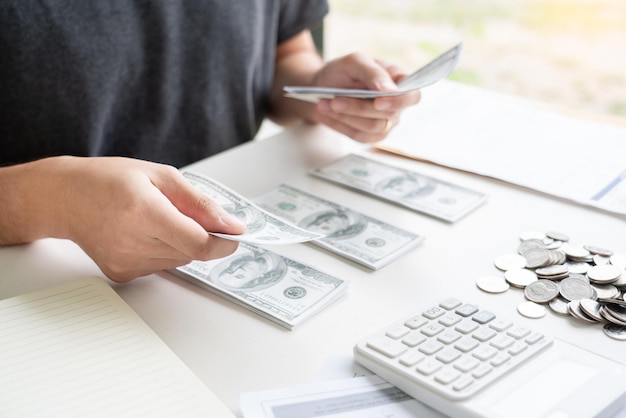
(262, 227)
(358, 237)
(415, 191)
(276, 287)
(436, 70)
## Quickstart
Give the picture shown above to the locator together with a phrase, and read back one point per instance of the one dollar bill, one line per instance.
(424, 194)
(358, 237)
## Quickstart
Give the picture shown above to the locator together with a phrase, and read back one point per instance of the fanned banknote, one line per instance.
(358, 237)
(262, 227)
(415, 191)
(276, 287)
(436, 70)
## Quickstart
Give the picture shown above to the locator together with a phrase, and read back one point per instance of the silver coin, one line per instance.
(617, 332)
(606, 291)
(541, 291)
(553, 272)
(574, 289)
(537, 257)
(492, 284)
(554, 245)
(579, 277)
(574, 309)
(598, 259)
(520, 277)
(592, 309)
(579, 268)
(576, 252)
(616, 311)
(558, 236)
(604, 274)
(559, 306)
(621, 282)
(530, 244)
(506, 262)
(608, 315)
(531, 310)
(598, 250)
(619, 260)
(619, 302)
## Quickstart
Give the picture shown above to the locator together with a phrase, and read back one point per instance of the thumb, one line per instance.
(375, 76)
(205, 211)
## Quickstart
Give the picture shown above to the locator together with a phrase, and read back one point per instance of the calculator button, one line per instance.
(428, 366)
(448, 337)
(500, 325)
(501, 342)
(467, 309)
(448, 355)
(413, 339)
(466, 326)
(434, 312)
(431, 329)
(465, 364)
(499, 359)
(484, 334)
(411, 358)
(534, 338)
(484, 352)
(518, 332)
(517, 348)
(416, 322)
(481, 371)
(466, 344)
(397, 332)
(430, 347)
(483, 317)
(450, 303)
(450, 319)
(462, 383)
(387, 346)
(447, 376)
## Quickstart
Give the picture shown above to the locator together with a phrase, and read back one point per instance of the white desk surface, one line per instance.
(234, 350)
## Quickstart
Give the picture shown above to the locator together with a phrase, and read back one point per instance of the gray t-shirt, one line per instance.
(172, 81)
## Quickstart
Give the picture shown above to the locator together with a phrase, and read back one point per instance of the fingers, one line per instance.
(196, 205)
(182, 221)
(365, 120)
(364, 130)
(126, 266)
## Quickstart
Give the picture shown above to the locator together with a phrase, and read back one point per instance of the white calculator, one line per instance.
(465, 361)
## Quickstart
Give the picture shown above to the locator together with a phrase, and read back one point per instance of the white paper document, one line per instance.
(518, 141)
(79, 350)
(357, 397)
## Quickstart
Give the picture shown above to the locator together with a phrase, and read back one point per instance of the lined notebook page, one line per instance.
(79, 350)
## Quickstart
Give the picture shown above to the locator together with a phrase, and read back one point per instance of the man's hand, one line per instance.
(131, 217)
(364, 120)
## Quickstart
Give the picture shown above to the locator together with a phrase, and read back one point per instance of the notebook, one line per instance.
(79, 350)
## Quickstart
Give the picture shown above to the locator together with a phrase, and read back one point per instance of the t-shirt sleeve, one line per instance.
(297, 15)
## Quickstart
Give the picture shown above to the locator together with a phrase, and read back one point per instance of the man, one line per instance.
(152, 82)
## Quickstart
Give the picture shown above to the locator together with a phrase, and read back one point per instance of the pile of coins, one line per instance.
(582, 281)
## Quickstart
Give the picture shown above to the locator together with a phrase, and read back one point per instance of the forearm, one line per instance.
(27, 211)
(297, 62)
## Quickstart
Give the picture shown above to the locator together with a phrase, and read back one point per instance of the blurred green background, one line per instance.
(568, 52)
